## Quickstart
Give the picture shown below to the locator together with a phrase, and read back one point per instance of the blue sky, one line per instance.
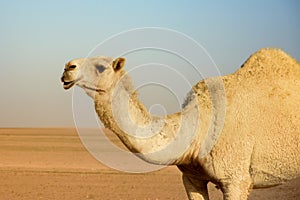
(38, 37)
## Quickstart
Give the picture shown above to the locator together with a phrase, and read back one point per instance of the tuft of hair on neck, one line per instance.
(127, 82)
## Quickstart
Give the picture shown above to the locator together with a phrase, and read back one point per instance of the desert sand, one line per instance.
(40, 163)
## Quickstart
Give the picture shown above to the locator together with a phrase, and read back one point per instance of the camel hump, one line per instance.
(269, 62)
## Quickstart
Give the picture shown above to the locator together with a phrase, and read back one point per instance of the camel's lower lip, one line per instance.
(68, 85)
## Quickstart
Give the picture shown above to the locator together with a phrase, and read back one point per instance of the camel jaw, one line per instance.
(68, 85)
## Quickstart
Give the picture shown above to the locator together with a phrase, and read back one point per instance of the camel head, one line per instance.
(97, 74)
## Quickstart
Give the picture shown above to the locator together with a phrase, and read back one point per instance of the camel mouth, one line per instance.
(68, 85)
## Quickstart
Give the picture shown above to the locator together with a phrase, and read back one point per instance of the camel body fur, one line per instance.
(258, 143)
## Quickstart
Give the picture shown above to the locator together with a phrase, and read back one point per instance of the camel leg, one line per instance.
(236, 190)
(196, 190)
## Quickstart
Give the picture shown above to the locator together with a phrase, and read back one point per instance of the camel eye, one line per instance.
(100, 68)
(72, 67)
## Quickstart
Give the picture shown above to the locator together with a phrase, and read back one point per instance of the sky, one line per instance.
(38, 37)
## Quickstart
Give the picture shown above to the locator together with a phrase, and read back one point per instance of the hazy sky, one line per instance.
(38, 37)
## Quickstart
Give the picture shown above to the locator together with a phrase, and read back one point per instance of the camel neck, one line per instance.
(155, 139)
(122, 110)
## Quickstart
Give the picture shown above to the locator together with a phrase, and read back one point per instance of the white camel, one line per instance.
(256, 144)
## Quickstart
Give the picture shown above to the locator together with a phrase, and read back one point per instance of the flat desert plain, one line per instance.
(53, 164)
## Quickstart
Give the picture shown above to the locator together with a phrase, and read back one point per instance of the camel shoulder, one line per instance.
(207, 89)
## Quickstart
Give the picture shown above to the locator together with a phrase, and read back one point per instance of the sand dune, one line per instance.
(53, 164)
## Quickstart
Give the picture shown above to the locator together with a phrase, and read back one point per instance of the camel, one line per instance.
(256, 142)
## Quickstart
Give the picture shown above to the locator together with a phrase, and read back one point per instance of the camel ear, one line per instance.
(118, 64)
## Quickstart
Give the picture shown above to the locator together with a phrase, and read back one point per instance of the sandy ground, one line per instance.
(53, 164)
